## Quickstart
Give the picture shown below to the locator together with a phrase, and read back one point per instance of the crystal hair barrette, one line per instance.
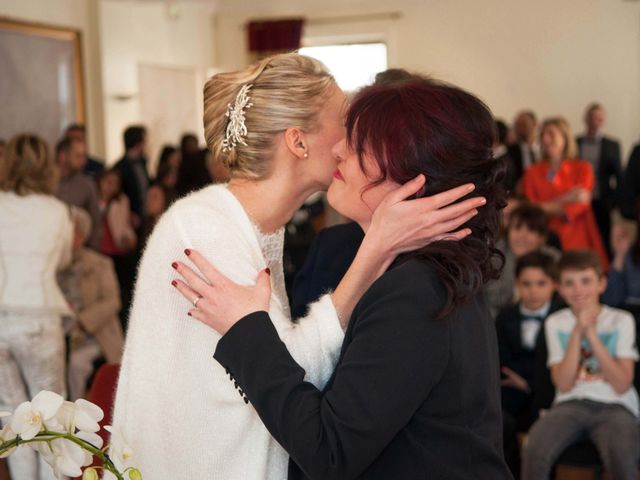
(236, 128)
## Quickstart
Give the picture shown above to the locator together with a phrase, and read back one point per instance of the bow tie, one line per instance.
(538, 318)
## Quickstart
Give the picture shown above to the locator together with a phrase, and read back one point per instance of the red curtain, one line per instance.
(274, 36)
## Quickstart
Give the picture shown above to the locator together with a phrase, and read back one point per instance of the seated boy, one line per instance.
(592, 355)
(518, 328)
(527, 232)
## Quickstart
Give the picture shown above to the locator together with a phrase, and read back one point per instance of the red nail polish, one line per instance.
(174, 283)
(189, 313)
(187, 252)
(174, 265)
(268, 271)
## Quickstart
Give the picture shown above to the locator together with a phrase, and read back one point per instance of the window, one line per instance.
(353, 65)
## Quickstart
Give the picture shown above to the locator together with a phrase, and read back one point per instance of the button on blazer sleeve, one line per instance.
(395, 354)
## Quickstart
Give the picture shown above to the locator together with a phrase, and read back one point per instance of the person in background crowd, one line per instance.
(189, 144)
(518, 327)
(526, 149)
(167, 172)
(77, 188)
(630, 189)
(623, 287)
(562, 186)
(527, 231)
(591, 354)
(193, 173)
(78, 131)
(603, 153)
(119, 239)
(157, 204)
(35, 240)
(501, 154)
(133, 170)
(91, 288)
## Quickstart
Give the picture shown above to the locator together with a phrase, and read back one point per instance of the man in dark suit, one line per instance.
(135, 183)
(133, 170)
(630, 187)
(329, 258)
(526, 150)
(603, 153)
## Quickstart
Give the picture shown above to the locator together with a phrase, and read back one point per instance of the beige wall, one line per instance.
(81, 15)
(149, 33)
(554, 57)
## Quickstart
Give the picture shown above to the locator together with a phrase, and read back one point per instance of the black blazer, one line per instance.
(130, 186)
(609, 168)
(515, 167)
(412, 397)
(630, 189)
(329, 258)
(513, 353)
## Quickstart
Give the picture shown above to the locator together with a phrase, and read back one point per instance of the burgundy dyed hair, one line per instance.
(431, 128)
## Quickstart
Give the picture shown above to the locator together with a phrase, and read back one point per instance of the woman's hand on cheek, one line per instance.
(399, 225)
(221, 302)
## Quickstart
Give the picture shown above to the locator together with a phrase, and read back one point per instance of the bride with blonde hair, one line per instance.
(273, 125)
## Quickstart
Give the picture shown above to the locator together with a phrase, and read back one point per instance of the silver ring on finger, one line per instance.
(196, 300)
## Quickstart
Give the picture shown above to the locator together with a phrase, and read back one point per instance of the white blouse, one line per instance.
(35, 241)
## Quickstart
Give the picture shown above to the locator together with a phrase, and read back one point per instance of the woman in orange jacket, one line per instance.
(562, 185)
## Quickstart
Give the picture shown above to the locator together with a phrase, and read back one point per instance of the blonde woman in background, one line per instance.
(35, 241)
(562, 185)
(273, 125)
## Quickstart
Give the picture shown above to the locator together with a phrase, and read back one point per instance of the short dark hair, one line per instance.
(76, 126)
(538, 259)
(531, 216)
(133, 136)
(394, 75)
(531, 114)
(186, 139)
(64, 145)
(585, 259)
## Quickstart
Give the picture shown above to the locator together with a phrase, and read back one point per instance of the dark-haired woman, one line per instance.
(416, 390)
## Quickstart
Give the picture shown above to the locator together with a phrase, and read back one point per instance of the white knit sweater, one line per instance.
(175, 405)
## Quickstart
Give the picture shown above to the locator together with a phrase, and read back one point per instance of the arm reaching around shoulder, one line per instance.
(397, 226)
(396, 355)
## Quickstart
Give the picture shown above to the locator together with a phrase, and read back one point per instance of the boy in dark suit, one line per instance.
(518, 327)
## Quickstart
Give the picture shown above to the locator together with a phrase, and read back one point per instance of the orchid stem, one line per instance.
(47, 436)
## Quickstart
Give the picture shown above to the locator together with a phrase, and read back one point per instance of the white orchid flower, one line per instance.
(92, 438)
(119, 451)
(81, 415)
(6, 435)
(68, 458)
(29, 417)
(88, 416)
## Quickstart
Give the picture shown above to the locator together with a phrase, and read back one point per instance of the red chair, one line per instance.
(102, 393)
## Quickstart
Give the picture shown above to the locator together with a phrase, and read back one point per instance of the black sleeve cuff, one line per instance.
(255, 358)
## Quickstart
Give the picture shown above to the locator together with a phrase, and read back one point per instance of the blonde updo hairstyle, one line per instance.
(28, 167)
(287, 91)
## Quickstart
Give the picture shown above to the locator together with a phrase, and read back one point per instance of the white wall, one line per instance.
(148, 33)
(554, 57)
(81, 15)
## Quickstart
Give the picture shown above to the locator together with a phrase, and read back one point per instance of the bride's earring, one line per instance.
(306, 155)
